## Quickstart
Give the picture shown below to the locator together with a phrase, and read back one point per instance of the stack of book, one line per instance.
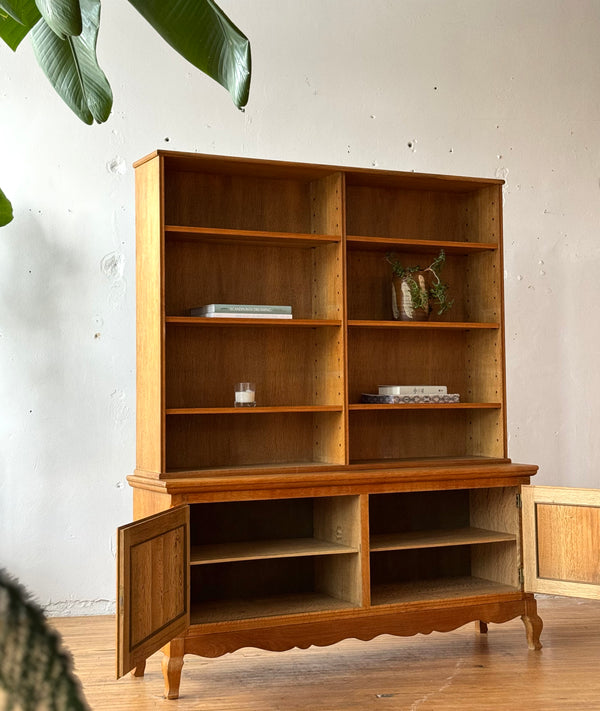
(242, 311)
(413, 390)
(407, 394)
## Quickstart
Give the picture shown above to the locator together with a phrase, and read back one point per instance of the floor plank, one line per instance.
(460, 670)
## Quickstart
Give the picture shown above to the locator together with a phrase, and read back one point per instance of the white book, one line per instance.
(413, 390)
(244, 315)
(241, 309)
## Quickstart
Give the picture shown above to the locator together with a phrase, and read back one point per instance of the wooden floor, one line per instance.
(459, 670)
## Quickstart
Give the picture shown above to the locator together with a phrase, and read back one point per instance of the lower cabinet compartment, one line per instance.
(438, 573)
(267, 588)
(265, 558)
(253, 559)
(443, 544)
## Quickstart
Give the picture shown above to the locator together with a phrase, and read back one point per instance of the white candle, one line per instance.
(244, 396)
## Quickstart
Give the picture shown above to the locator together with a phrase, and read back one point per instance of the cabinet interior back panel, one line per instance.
(370, 284)
(198, 273)
(288, 366)
(237, 202)
(251, 520)
(197, 442)
(388, 357)
(413, 214)
(407, 434)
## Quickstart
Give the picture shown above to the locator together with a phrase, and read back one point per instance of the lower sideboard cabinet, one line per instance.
(215, 568)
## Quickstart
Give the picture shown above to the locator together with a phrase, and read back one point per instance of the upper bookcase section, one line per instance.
(383, 207)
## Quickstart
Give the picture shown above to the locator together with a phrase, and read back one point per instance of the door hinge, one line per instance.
(519, 501)
(521, 576)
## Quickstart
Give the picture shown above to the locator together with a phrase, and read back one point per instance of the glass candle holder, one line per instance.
(245, 395)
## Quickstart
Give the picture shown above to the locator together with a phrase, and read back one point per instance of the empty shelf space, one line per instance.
(437, 539)
(272, 606)
(257, 550)
(437, 589)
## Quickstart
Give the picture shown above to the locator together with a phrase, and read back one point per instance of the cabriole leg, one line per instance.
(172, 663)
(533, 625)
(139, 669)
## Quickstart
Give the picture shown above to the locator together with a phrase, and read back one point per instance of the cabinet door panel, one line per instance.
(152, 585)
(561, 541)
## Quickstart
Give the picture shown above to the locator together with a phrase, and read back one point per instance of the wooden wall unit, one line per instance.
(315, 516)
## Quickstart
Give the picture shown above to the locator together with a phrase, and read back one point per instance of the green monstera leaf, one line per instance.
(17, 17)
(63, 16)
(6, 213)
(13, 9)
(64, 35)
(203, 34)
(72, 67)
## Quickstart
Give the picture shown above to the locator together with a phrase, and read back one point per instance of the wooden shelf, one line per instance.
(409, 325)
(249, 237)
(266, 469)
(426, 406)
(437, 589)
(254, 322)
(252, 410)
(260, 550)
(426, 462)
(272, 606)
(437, 539)
(386, 244)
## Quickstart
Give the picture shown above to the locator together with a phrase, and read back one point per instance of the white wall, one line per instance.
(476, 87)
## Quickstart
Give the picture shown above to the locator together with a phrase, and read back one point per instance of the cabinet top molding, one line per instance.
(281, 169)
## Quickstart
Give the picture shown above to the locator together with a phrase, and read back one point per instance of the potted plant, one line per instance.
(417, 290)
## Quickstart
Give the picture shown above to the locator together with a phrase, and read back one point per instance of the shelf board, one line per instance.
(436, 539)
(254, 237)
(436, 589)
(456, 325)
(426, 406)
(258, 322)
(251, 410)
(273, 606)
(332, 408)
(478, 460)
(261, 550)
(268, 470)
(386, 244)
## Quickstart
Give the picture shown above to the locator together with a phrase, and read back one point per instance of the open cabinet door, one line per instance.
(153, 605)
(561, 541)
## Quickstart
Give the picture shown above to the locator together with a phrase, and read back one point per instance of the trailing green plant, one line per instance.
(64, 35)
(421, 295)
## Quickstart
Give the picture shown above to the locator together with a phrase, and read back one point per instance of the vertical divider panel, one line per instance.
(150, 425)
(496, 510)
(328, 289)
(337, 519)
(365, 549)
(484, 367)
